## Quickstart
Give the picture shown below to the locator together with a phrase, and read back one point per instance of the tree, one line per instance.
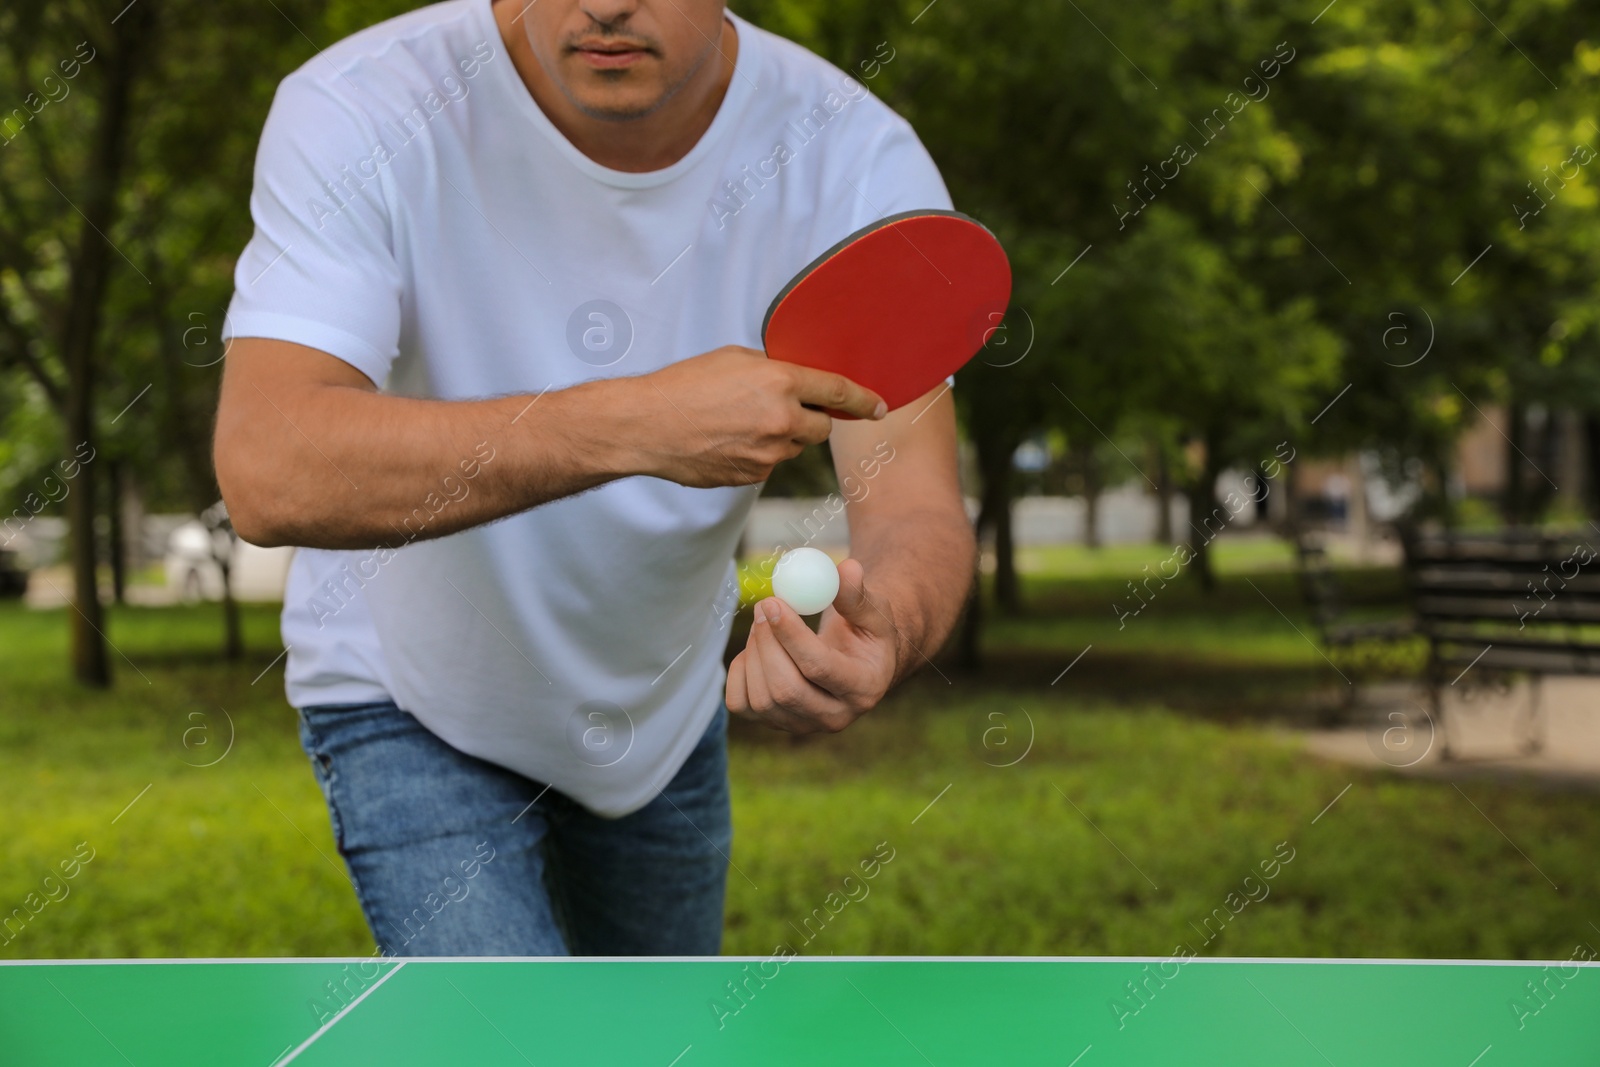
(124, 179)
(61, 200)
(1204, 355)
(1418, 128)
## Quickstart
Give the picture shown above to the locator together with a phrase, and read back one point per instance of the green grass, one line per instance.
(1120, 829)
(203, 863)
(1238, 555)
(1159, 776)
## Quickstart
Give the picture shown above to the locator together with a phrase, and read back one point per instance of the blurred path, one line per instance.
(1487, 727)
(51, 587)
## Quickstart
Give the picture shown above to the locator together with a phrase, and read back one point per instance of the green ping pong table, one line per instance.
(884, 1011)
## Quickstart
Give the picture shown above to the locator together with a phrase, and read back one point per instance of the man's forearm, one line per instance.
(330, 466)
(308, 452)
(918, 570)
(436, 467)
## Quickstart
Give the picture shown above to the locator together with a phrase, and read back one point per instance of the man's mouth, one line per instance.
(610, 55)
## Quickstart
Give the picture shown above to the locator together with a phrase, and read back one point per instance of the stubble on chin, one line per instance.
(632, 113)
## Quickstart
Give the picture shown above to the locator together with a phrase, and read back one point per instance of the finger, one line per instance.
(826, 389)
(775, 719)
(762, 703)
(755, 683)
(821, 665)
(786, 685)
(734, 694)
(856, 604)
(812, 427)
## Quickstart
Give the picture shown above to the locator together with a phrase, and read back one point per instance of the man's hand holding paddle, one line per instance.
(729, 416)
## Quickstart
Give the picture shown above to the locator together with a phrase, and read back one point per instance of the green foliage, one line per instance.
(199, 80)
(341, 18)
(1346, 168)
(1392, 146)
(1221, 214)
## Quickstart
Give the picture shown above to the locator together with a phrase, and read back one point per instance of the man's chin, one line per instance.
(617, 107)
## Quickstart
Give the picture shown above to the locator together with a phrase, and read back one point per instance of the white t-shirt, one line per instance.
(419, 217)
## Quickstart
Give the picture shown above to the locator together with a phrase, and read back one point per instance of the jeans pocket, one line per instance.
(323, 769)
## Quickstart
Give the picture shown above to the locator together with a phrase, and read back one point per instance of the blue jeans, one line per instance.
(454, 856)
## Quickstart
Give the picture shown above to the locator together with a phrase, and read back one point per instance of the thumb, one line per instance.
(855, 603)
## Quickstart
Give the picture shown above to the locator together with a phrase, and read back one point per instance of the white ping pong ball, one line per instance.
(806, 580)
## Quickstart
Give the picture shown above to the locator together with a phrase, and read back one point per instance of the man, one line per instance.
(549, 232)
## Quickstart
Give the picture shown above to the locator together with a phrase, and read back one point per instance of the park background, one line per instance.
(1347, 251)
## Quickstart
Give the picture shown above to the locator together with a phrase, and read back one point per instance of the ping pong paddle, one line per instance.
(898, 306)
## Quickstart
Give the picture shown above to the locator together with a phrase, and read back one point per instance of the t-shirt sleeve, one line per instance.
(320, 270)
(900, 176)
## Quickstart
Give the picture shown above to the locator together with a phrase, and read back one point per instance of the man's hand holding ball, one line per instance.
(792, 679)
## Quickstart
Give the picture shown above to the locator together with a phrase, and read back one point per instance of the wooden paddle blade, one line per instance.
(897, 307)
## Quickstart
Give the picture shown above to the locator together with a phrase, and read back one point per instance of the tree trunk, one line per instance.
(1439, 467)
(1289, 517)
(1515, 506)
(1360, 506)
(994, 512)
(1007, 590)
(224, 546)
(1091, 497)
(117, 548)
(994, 466)
(1591, 436)
(90, 665)
(1163, 496)
(1204, 522)
(232, 632)
(1567, 462)
(969, 648)
(91, 273)
(187, 432)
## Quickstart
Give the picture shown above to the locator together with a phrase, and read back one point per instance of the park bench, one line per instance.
(1496, 605)
(1358, 648)
(1515, 602)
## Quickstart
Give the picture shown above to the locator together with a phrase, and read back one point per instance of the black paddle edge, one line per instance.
(888, 220)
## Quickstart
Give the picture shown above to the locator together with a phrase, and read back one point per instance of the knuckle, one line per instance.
(778, 426)
(777, 377)
(787, 693)
(775, 449)
(776, 419)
